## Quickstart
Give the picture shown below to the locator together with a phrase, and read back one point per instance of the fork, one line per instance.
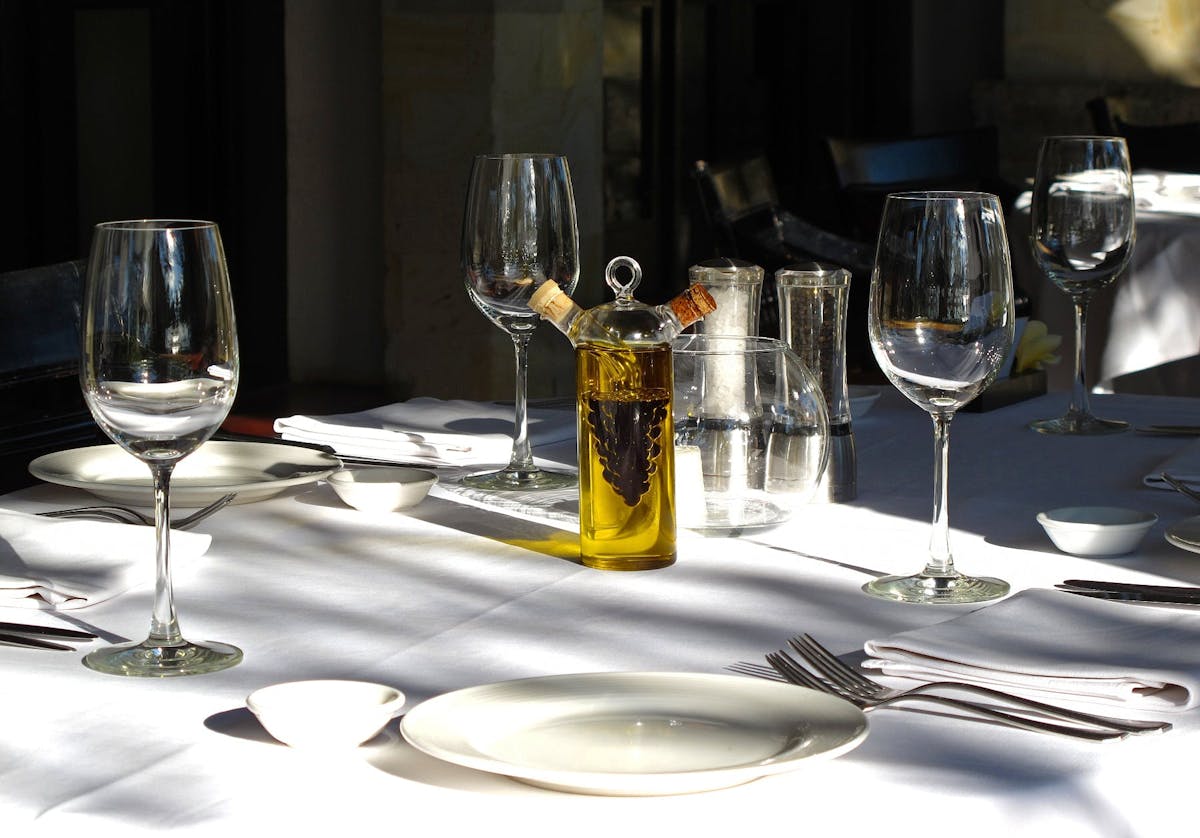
(852, 680)
(792, 671)
(125, 515)
(1179, 486)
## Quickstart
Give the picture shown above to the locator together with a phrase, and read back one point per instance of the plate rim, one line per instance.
(1172, 537)
(324, 463)
(625, 783)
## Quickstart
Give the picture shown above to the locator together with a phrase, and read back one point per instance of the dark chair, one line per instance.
(1170, 148)
(41, 407)
(743, 219)
(869, 169)
(1166, 146)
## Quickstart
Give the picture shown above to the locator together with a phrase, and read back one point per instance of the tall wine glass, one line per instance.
(159, 371)
(518, 231)
(1082, 236)
(941, 323)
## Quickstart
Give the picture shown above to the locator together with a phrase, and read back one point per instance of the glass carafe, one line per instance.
(624, 375)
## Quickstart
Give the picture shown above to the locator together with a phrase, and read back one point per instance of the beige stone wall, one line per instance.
(462, 78)
(1125, 41)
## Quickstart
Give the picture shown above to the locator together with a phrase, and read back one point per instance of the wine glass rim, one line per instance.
(1106, 138)
(534, 155)
(156, 224)
(943, 195)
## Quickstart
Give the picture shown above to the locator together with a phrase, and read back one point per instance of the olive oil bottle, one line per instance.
(624, 384)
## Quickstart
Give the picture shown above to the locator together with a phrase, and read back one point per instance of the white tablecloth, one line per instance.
(1149, 316)
(451, 596)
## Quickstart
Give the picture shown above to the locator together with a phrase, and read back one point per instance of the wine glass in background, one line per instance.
(159, 371)
(941, 323)
(518, 231)
(1082, 236)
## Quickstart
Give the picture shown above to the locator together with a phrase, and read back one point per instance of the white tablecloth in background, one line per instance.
(452, 596)
(1149, 316)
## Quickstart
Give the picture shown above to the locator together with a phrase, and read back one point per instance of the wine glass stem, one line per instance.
(522, 455)
(1079, 392)
(940, 561)
(164, 627)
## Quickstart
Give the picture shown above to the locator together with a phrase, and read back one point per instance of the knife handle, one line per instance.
(1135, 588)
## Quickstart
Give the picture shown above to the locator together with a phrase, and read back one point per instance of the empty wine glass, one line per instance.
(1082, 236)
(519, 230)
(941, 323)
(159, 371)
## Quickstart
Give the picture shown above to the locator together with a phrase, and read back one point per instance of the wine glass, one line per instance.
(519, 230)
(941, 323)
(1082, 235)
(159, 371)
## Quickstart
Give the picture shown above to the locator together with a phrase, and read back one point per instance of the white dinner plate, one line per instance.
(634, 733)
(1185, 534)
(255, 470)
(862, 396)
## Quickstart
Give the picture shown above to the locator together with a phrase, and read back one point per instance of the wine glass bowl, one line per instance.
(1082, 234)
(519, 230)
(941, 321)
(159, 372)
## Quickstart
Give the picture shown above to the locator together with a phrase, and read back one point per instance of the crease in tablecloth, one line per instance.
(1058, 646)
(54, 564)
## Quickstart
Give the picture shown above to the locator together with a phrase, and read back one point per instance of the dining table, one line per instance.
(1148, 317)
(458, 591)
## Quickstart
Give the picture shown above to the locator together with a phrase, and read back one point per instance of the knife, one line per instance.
(18, 640)
(47, 631)
(1170, 430)
(1131, 591)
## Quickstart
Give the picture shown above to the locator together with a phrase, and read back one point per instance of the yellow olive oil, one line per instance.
(626, 457)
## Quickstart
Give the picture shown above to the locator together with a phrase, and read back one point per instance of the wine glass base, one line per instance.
(1082, 424)
(520, 480)
(922, 588)
(150, 660)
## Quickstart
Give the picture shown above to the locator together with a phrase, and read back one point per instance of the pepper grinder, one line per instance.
(813, 301)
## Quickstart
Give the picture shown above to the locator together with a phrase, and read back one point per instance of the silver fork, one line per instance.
(795, 673)
(849, 678)
(125, 515)
(1179, 486)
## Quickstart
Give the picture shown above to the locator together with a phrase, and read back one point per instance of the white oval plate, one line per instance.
(1185, 534)
(862, 397)
(255, 470)
(634, 733)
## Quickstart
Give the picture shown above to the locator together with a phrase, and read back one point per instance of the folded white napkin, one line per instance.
(55, 564)
(429, 431)
(1152, 193)
(1167, 192)
(1057, 646)
(1183, 464)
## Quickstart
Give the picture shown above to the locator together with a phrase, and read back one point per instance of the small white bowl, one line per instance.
(1096, 530)
(862, 397)
(325, 715)
(377, 489)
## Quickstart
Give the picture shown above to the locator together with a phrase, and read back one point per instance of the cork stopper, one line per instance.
(551, 302)
(693, 304)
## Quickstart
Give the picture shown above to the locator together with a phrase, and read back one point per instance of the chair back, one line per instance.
(41, 406)
(869, 169)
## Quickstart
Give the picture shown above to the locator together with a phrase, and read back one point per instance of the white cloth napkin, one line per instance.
(429, 431)
(1058, 646)
(1184, 465)
(1175, 193)
(55, 564)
